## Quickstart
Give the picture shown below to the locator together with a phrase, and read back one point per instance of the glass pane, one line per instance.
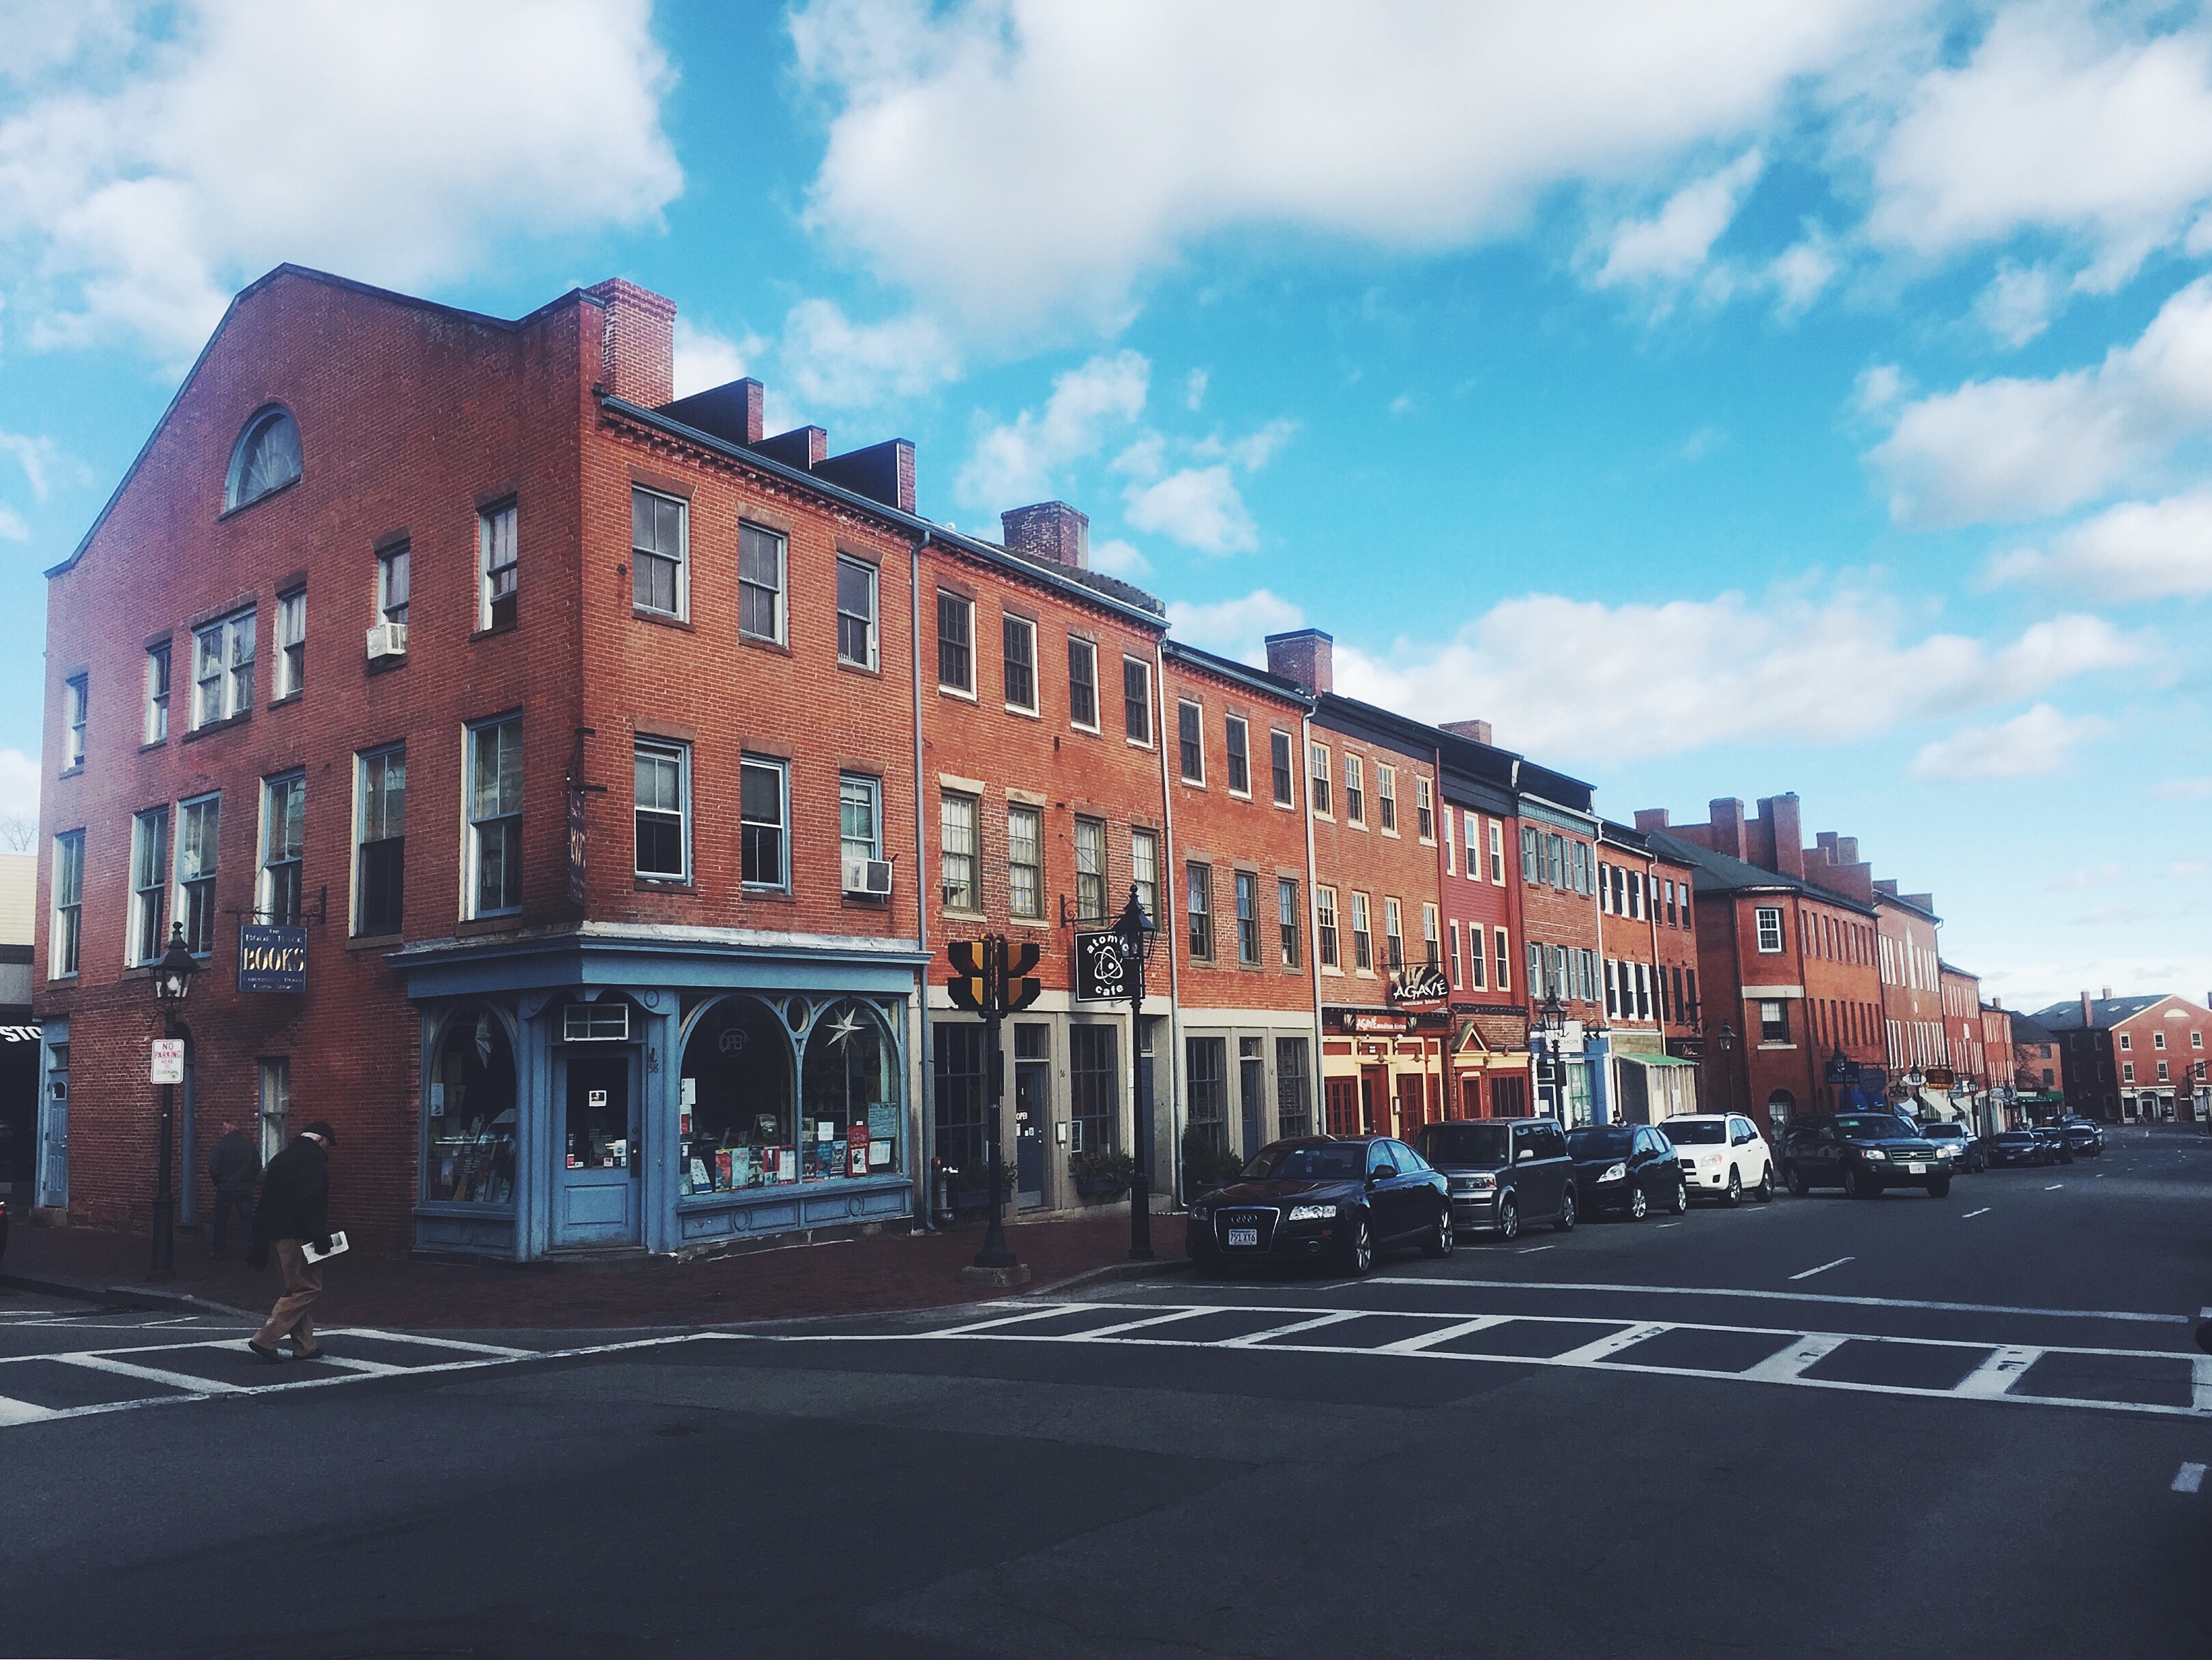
(470, 1143)
(739, 1130)
(852, 1112)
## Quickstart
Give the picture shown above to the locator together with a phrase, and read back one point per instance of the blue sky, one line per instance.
(1722, 398)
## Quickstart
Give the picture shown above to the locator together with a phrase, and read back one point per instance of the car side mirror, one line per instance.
(1524, 1155)
(1377, 1175)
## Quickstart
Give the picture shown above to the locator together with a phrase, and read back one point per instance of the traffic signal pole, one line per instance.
(995, 1253)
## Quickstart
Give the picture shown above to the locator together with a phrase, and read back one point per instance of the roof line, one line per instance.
(1227, 668)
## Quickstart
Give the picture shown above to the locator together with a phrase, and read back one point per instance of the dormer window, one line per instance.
(266, 458)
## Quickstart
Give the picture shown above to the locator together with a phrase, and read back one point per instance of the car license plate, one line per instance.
(1916, 1169)
(1244, 1236)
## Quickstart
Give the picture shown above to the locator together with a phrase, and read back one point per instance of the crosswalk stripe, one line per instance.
(1256, 1339)
(1791, 1363)
(1997, 1375)
(1443, 1335)
(151, 1374)
(1606, 1347)
(21, 1411)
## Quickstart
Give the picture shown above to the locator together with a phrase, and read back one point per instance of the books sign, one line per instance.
(168, 1059)
(272, 958)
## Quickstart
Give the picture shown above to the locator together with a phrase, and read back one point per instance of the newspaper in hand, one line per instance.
(315, 1253)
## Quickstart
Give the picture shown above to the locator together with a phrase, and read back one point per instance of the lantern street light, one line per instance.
(1135, 934)
(173, 980)
(1841, 1074)
(1553, 1016)
(1726, 1038)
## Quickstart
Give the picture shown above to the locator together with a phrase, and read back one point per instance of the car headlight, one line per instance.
(1198, 1213)
(1709, 1158)
(1614, 1173)
(1876, 1153)
(1311, 1213)
(1478, 1184)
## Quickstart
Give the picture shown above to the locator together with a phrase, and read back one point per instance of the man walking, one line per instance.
(233, 1166)
(295, 1192)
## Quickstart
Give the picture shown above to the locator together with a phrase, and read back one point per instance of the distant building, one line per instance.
(2134, 1059)
(2038, 1059)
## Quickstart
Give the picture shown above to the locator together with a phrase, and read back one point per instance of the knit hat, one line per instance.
(318, 1127)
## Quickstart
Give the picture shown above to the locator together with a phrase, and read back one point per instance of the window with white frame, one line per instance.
(1424, 808)
(1090, 870)
(1026, 861)
(380, 840)
(1393, 938)
(1475, 966)
(1355, 789)
(149, 886)
(265, 459)
(761, 605)
(1456, 983)
(1137, 700)
(764, 823)
(956, 642)
(1386, 798)
(76, 702)
(1018, 635)
(157, 693)
(1768, 919)
(223, 670)
(199, 835)
(957, 852)
(1496, 853)
(1145, 871)
(392, 584)
(1286, 919)
(1247, 918)
(1199, 885)
(499, 565)
(658, 548)
(856, 612)
(291, 643)
(1325, 927)
(1190, 748)
(276, 1105)
(1237, 740)
(1431, 951)
(859, 824)
(1279, 758)
(660, 802)
(1082, 683)
(1503, 956)
(65, 941)
(492, 881)
(1363, 937)
(1317, 778)
(283, 848)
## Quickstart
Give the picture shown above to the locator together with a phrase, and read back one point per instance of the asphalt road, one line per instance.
(1973, 1425)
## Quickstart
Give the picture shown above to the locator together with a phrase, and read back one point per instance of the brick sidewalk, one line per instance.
(865, 1275)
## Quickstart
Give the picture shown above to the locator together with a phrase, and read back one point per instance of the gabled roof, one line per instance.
(1719, 872)
(2103, 1013)
(2026, 1029)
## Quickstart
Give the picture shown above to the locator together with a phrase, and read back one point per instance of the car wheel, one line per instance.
(1734, 1196)
(1360, 1249)
(1795, 1178)
(1509, 1218)
(1439, 1242)
(1765, 1190)
(1681, 1205)
(1564, 1221)
(1940, 1189)
(1855, 1185)
(1640, 1207)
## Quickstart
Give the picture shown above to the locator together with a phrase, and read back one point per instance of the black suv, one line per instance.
(2083, 1136)
(1504, 1172)
(1861, 1153)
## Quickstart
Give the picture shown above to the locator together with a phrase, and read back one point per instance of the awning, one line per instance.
(1657, 1061)
(1939, 1106)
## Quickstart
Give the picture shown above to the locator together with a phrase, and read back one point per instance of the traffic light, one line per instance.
(1022, 987)
(969, 984)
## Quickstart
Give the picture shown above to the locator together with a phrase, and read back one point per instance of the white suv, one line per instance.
(1724, 1156)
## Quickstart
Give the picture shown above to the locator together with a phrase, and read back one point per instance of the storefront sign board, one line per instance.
(272, 957)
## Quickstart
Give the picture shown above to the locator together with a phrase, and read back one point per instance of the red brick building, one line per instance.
(2038, 1059)
(1490, 1065)
(1966, 1051)
(2134, 1059)
(1648, 930)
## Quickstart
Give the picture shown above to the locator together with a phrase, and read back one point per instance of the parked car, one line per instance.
(2015, 1147)
(2083, 1135)
(1861, 1153)
(4, 1230)
(1627, 1169)
(2054, 1140)
(1505, 1172)
(1724, 1155)
(1320, 1198)
(1964, 1152)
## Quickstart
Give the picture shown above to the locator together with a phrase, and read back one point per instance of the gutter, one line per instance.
(925, 1071)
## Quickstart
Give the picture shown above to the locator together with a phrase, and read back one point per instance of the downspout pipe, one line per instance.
(1171, 886)
(1318, 1106)
(923, 1070)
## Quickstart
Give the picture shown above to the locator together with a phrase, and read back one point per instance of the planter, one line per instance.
(971, 1198)
(1100, 1187)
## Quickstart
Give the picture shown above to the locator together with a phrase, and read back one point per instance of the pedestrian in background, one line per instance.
(234, 1165)
(294, 1211)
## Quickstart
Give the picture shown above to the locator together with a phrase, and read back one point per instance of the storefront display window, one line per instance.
(736, 1121)
(852, 1118)
(471, 1138)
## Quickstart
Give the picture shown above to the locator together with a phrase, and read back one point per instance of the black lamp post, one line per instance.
(1136, 934)
(173, 979)
(1555, 1017)
(1839, 1064)
(1726, 1038)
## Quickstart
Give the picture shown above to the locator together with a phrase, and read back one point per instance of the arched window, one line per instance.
(266, 458)
(471, 1138)
(850, 1094)
(738, 1126)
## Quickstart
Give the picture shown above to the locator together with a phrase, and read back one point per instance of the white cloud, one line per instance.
(1117, 558)
(705, 360)
(1673, 245)
(2054, 123)
(2182, 789)
(1235, 628)
(2031, 744)
(1194, 391)
(1797, 668)
(43, 462)
(2013, 448)
(12, 525)
(1800, 272)
(834, 361)
(402, 143)
(1076, 149)
(1198, 506)
(2019, 303)
(2102, 876)
(2136, 551)
(1013, 465)
(1254, 451)
(2187, 870)
(1877, 388)
(19, 785)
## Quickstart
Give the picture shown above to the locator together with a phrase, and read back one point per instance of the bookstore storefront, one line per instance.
(619, 1100)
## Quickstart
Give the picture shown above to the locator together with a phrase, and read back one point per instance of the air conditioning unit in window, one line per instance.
(387, 640)
(868, 879)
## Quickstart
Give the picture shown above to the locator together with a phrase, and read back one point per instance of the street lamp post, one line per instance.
(1554, 1016)
(1726, 1038)
(1136, 934)
(173, 979)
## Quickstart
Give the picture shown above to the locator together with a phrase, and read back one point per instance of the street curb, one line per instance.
(1153, 1270)
(124, 1296)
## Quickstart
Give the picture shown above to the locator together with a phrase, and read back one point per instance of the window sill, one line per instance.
(1088, 732)
(963, 694)
(662, 885)
(754, 641)
(952, 915)
(1240, 795)
(1026, 715)
(871, 670)
(215, 727)
(76, 771)
(289, 699)
(1137, 743)
(496, 630)
(153, 744)
(770, 895)
(662, 619)
(864, 901)
(375, 941)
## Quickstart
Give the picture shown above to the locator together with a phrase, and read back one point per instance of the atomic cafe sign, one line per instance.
(272, 958)
(1102, 974)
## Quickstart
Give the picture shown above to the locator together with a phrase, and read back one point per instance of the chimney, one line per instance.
(1847, 850)
(2089, 1014)
(1307, 656)
(1996, 1002)
(882, 472)
(1651, 818)
(1051, 531)
(1727, 816)
(1784, 833)
(637, 342)
(1477, 731)
(2105, 995)
(734, 411)
(802, 446)
(1884, 884)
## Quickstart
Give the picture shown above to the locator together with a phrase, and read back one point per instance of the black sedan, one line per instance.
(2085, 1136)
(2054, 1140)
(1627, 1169)
(4, 1230)
(2016, 1147)
(1321, 1199)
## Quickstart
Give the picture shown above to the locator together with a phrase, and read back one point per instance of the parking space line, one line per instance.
(2189, 1478)
(1530, 1251)
(1997, 1375)
(1972, 1214)
(1786, 1296)
(1444, 1334)
(1787, 1366)
(1253, 1340)
(1604, 1348)
(2054, 1187)
(1824, 1267)
(148, 1374)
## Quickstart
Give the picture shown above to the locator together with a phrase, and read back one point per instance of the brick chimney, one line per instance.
(2105, 995)
(1651, 818)
(1727, 819)
(1996, 1002)
(1307, 656)
(2088, 1015)
(1051, 531)
(1477, 731)
(637, 342)
(1781, 835)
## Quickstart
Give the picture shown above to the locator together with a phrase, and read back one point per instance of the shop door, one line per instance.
(1374, 1101)
(1342, 1099)
(1032, 1111)
(1252, 1093)
(597, 1199)
(53, 1124)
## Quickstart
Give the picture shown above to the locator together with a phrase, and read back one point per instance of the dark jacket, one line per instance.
(296, 1192)
(234, 1165)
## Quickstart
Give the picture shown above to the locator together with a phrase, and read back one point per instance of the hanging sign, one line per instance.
(576, 845)
(1423, 986)
(272, 957)
(1101, 974)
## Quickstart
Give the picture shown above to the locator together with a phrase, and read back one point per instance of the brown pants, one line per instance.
(303, 1283)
